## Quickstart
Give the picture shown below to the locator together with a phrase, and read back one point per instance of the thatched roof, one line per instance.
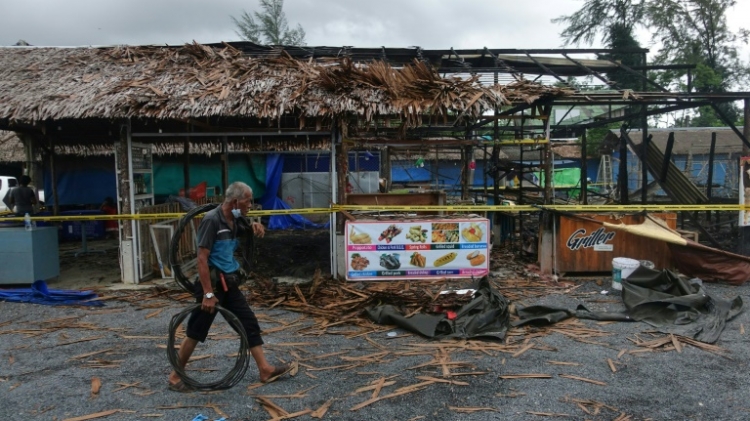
(200, 81)
(11, 147)
(569, 150)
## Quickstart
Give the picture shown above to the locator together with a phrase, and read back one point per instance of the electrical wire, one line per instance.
(174, 245)
(233, 376)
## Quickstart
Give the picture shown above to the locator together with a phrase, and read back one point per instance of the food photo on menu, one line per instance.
(473, 232)
(390, 233)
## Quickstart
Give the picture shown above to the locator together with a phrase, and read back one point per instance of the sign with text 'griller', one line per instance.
(418, 249)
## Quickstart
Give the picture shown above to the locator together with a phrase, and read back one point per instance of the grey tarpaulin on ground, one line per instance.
(484, 316)
(664, 300)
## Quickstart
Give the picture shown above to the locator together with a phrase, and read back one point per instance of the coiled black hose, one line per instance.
(233, 376)
(174, 245)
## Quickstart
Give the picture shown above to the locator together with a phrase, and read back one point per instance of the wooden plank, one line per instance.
(676, 343)
(526, 376)
(94, 415)
(522, 350)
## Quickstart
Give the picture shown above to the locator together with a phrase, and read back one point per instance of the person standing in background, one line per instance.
(111, 227)
(23, 198)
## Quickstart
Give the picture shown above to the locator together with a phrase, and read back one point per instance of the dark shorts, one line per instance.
(233, 300)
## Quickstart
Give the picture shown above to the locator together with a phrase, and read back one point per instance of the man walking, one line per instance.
(217, 241)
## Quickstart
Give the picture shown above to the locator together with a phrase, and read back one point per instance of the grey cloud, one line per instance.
(359, 23)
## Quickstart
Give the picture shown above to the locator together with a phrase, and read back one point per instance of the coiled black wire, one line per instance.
(233, 376)
(174, 245)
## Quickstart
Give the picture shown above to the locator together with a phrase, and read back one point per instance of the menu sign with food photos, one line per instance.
(420, 249)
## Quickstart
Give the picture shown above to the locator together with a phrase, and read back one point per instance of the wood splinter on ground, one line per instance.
(320, 412)
(547, 414)
(583, 379)
(526, 376)
(97, 415)
(471, 409)
(96, 385)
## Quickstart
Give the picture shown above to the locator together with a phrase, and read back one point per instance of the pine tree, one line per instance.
(269, 27)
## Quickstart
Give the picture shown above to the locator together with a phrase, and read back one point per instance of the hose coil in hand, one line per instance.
(233, 376)
(174, 246)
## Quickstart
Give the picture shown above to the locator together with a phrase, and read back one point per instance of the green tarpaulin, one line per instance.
(168, 172)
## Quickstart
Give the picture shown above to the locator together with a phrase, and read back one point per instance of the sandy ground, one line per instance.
(51, 356)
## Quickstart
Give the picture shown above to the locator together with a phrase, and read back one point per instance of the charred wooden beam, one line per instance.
(644, 165)
(730, 123)
(186, 165)
(623, 172)
(224, 164)
(584, 170)
(546, 69)
(639, 74)
(124, 179)
(591, 71)
(53, 179)
(710, 181)
(667, 157)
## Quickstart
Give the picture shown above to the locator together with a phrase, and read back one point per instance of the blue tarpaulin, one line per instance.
(270, 200)
(40, 294)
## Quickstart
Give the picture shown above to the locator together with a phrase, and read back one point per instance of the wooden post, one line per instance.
(547, 160)
(342, 174)
(436, 170)
(744, 240)
(584, 170)
(520, 171)
(123, 177)
(466, 161)
(385, 164)
(667, 157)
(644, 168)
(484, 159)
(495, 176)
(128, 238)
(224, 164)
(495, 153)
(710, 181)
(53, 179)
(186, 165)
(623, 175)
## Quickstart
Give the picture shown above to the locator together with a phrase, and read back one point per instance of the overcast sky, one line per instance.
(359, 23)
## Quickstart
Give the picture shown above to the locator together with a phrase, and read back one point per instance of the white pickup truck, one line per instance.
(6, 183)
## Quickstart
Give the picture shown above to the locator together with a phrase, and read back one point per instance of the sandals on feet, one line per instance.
(180, 387)
(280, 371)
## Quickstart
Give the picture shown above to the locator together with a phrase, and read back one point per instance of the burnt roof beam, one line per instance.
(633, 115)
(503, 65)
(591, 72)
(730, 123)
(517, 108)
(547, 69)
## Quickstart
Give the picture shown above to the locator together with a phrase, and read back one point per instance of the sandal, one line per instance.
(280, 371)
(180, 387)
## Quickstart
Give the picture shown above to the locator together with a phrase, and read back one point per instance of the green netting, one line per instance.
(564, 178)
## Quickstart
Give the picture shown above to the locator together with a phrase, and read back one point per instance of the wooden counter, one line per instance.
(584, 246)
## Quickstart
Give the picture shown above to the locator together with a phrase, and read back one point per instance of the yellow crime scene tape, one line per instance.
(443, 208)
(539, 208)
(145, 216)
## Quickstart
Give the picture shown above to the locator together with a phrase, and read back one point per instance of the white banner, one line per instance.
(423, 249)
